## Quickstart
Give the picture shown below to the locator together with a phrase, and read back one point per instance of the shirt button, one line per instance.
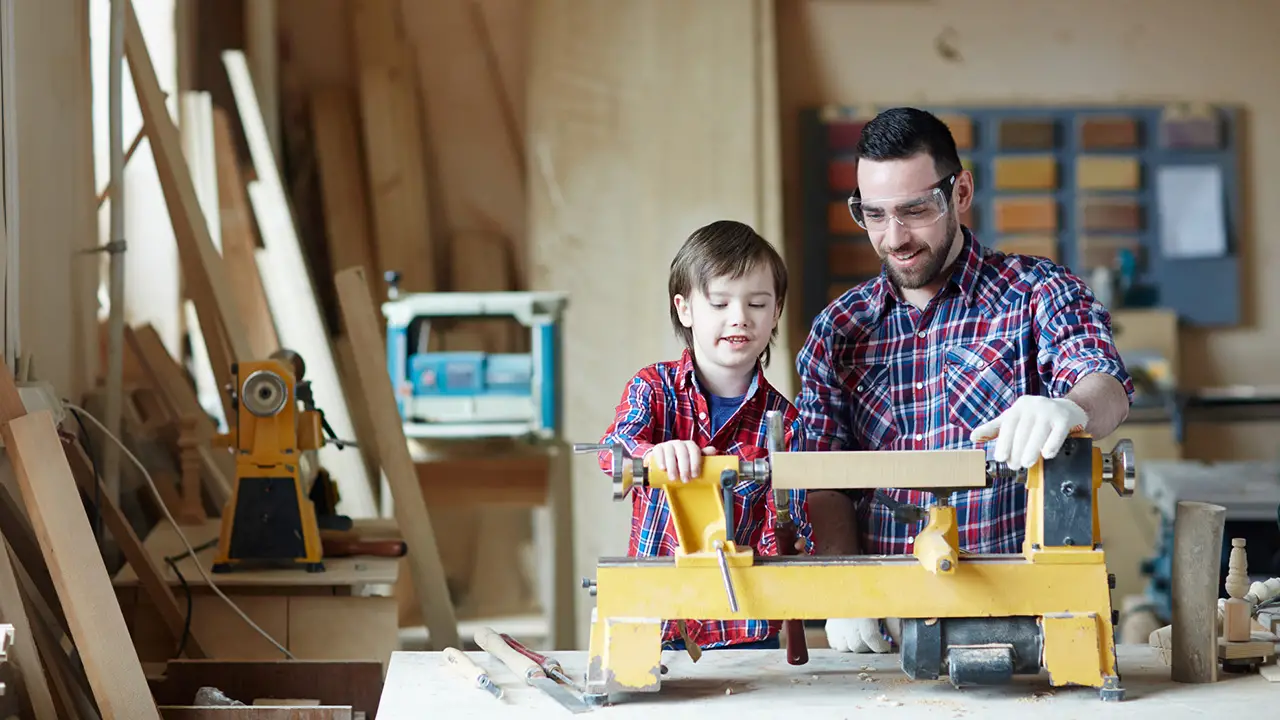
(919, 386)
(920, 334)
(910, 540)
(859, 388)
(919, 436)
(702, 416)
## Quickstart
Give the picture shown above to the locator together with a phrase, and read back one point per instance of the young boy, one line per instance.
(727, 288)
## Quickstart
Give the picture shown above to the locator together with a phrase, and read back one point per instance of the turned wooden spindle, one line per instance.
(1236, 615)
(189, 460)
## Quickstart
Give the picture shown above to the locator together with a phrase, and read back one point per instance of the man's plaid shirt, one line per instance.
(665, 402)
(879, 374)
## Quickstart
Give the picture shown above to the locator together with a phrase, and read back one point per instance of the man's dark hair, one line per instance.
(899, 133)
(723, 249)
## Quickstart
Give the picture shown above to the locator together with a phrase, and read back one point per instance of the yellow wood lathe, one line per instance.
(978, 619)
(270, 520)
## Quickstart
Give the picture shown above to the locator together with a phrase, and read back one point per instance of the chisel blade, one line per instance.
(560, 694)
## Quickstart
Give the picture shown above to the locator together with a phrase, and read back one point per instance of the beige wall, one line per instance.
(52, 171)
(1014, 51)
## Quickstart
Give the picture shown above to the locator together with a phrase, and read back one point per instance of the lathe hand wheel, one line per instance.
(1118, 468)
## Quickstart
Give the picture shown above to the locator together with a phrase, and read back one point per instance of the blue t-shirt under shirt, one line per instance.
(723, 408)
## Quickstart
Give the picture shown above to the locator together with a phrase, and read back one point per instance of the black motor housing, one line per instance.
(971, 650)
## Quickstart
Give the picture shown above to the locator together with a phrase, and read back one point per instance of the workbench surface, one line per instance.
(831, 685)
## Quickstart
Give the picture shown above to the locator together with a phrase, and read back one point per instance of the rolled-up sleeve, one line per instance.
(1073, 334)
(822, 403)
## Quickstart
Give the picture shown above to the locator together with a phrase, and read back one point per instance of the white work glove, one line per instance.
(1033, 427)
(856, 635)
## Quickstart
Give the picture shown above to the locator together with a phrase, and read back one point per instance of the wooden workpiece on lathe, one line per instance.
(912, 469)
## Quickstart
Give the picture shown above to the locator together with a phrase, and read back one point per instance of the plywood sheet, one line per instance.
(880, 469)
(1029, 134)
(1015, 215)
(1026, 173)
(1108, 173)
(1110, 215)
(97, 625)
(596, 180)
(961, 127)
(1045, 246)
(1105, 133)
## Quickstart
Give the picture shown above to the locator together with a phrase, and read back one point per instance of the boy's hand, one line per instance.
(680, 459)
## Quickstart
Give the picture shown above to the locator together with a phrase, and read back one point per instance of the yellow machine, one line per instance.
(978, 619)
(269, 519)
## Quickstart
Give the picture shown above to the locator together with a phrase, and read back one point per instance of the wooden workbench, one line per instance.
(759, 683)
(346, 612)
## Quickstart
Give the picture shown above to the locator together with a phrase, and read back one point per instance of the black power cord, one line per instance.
(172, 561)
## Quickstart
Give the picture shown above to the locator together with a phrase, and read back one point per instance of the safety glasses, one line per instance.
(912, 211)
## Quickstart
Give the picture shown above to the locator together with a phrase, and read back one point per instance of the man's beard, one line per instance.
(934, 260)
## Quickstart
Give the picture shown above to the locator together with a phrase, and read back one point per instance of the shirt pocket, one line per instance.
(872, 421)
(981, 381)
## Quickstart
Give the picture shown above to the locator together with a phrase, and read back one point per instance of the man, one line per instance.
(952, 344)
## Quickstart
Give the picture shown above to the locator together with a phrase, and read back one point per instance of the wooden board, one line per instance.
(732, 684)
(335, 126)
(147, 567)
(595, 179)
(202, 265)
(354, 683)
(911, 469)
(392, 125)
(23, 654)
(474, 143)
(325, 712)
(341, 575)
(239, 244)
(397, 466)
(292, 297)
(97, 625)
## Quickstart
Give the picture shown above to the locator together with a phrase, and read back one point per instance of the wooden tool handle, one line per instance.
(459, 661)
(492, 643)
(342, 547)
(797, 645)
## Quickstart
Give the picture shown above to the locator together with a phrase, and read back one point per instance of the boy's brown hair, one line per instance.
(725, 248)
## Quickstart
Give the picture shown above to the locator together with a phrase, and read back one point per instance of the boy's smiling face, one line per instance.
(733, 321)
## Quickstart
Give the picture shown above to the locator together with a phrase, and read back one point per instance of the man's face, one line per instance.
(911, 220)
(733, 321)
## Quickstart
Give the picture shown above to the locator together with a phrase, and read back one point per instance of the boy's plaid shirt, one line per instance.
(879, 374)
(665, 402)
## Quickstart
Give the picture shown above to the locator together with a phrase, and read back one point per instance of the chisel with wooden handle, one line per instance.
(459, 661)
(492, 643)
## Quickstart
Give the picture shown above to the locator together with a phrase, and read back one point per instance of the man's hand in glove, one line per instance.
(858, 635)
(1033, 427)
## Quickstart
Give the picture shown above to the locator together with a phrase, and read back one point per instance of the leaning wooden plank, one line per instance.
(180, 399)
(201, 263)
(392, 122)
(916, 469)
(346, 212)
(97, 625)
(239, 245)
(25, 657)
(210, 337)
(22, 542)
(293, 299)
(425, 566)
(149, 573)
